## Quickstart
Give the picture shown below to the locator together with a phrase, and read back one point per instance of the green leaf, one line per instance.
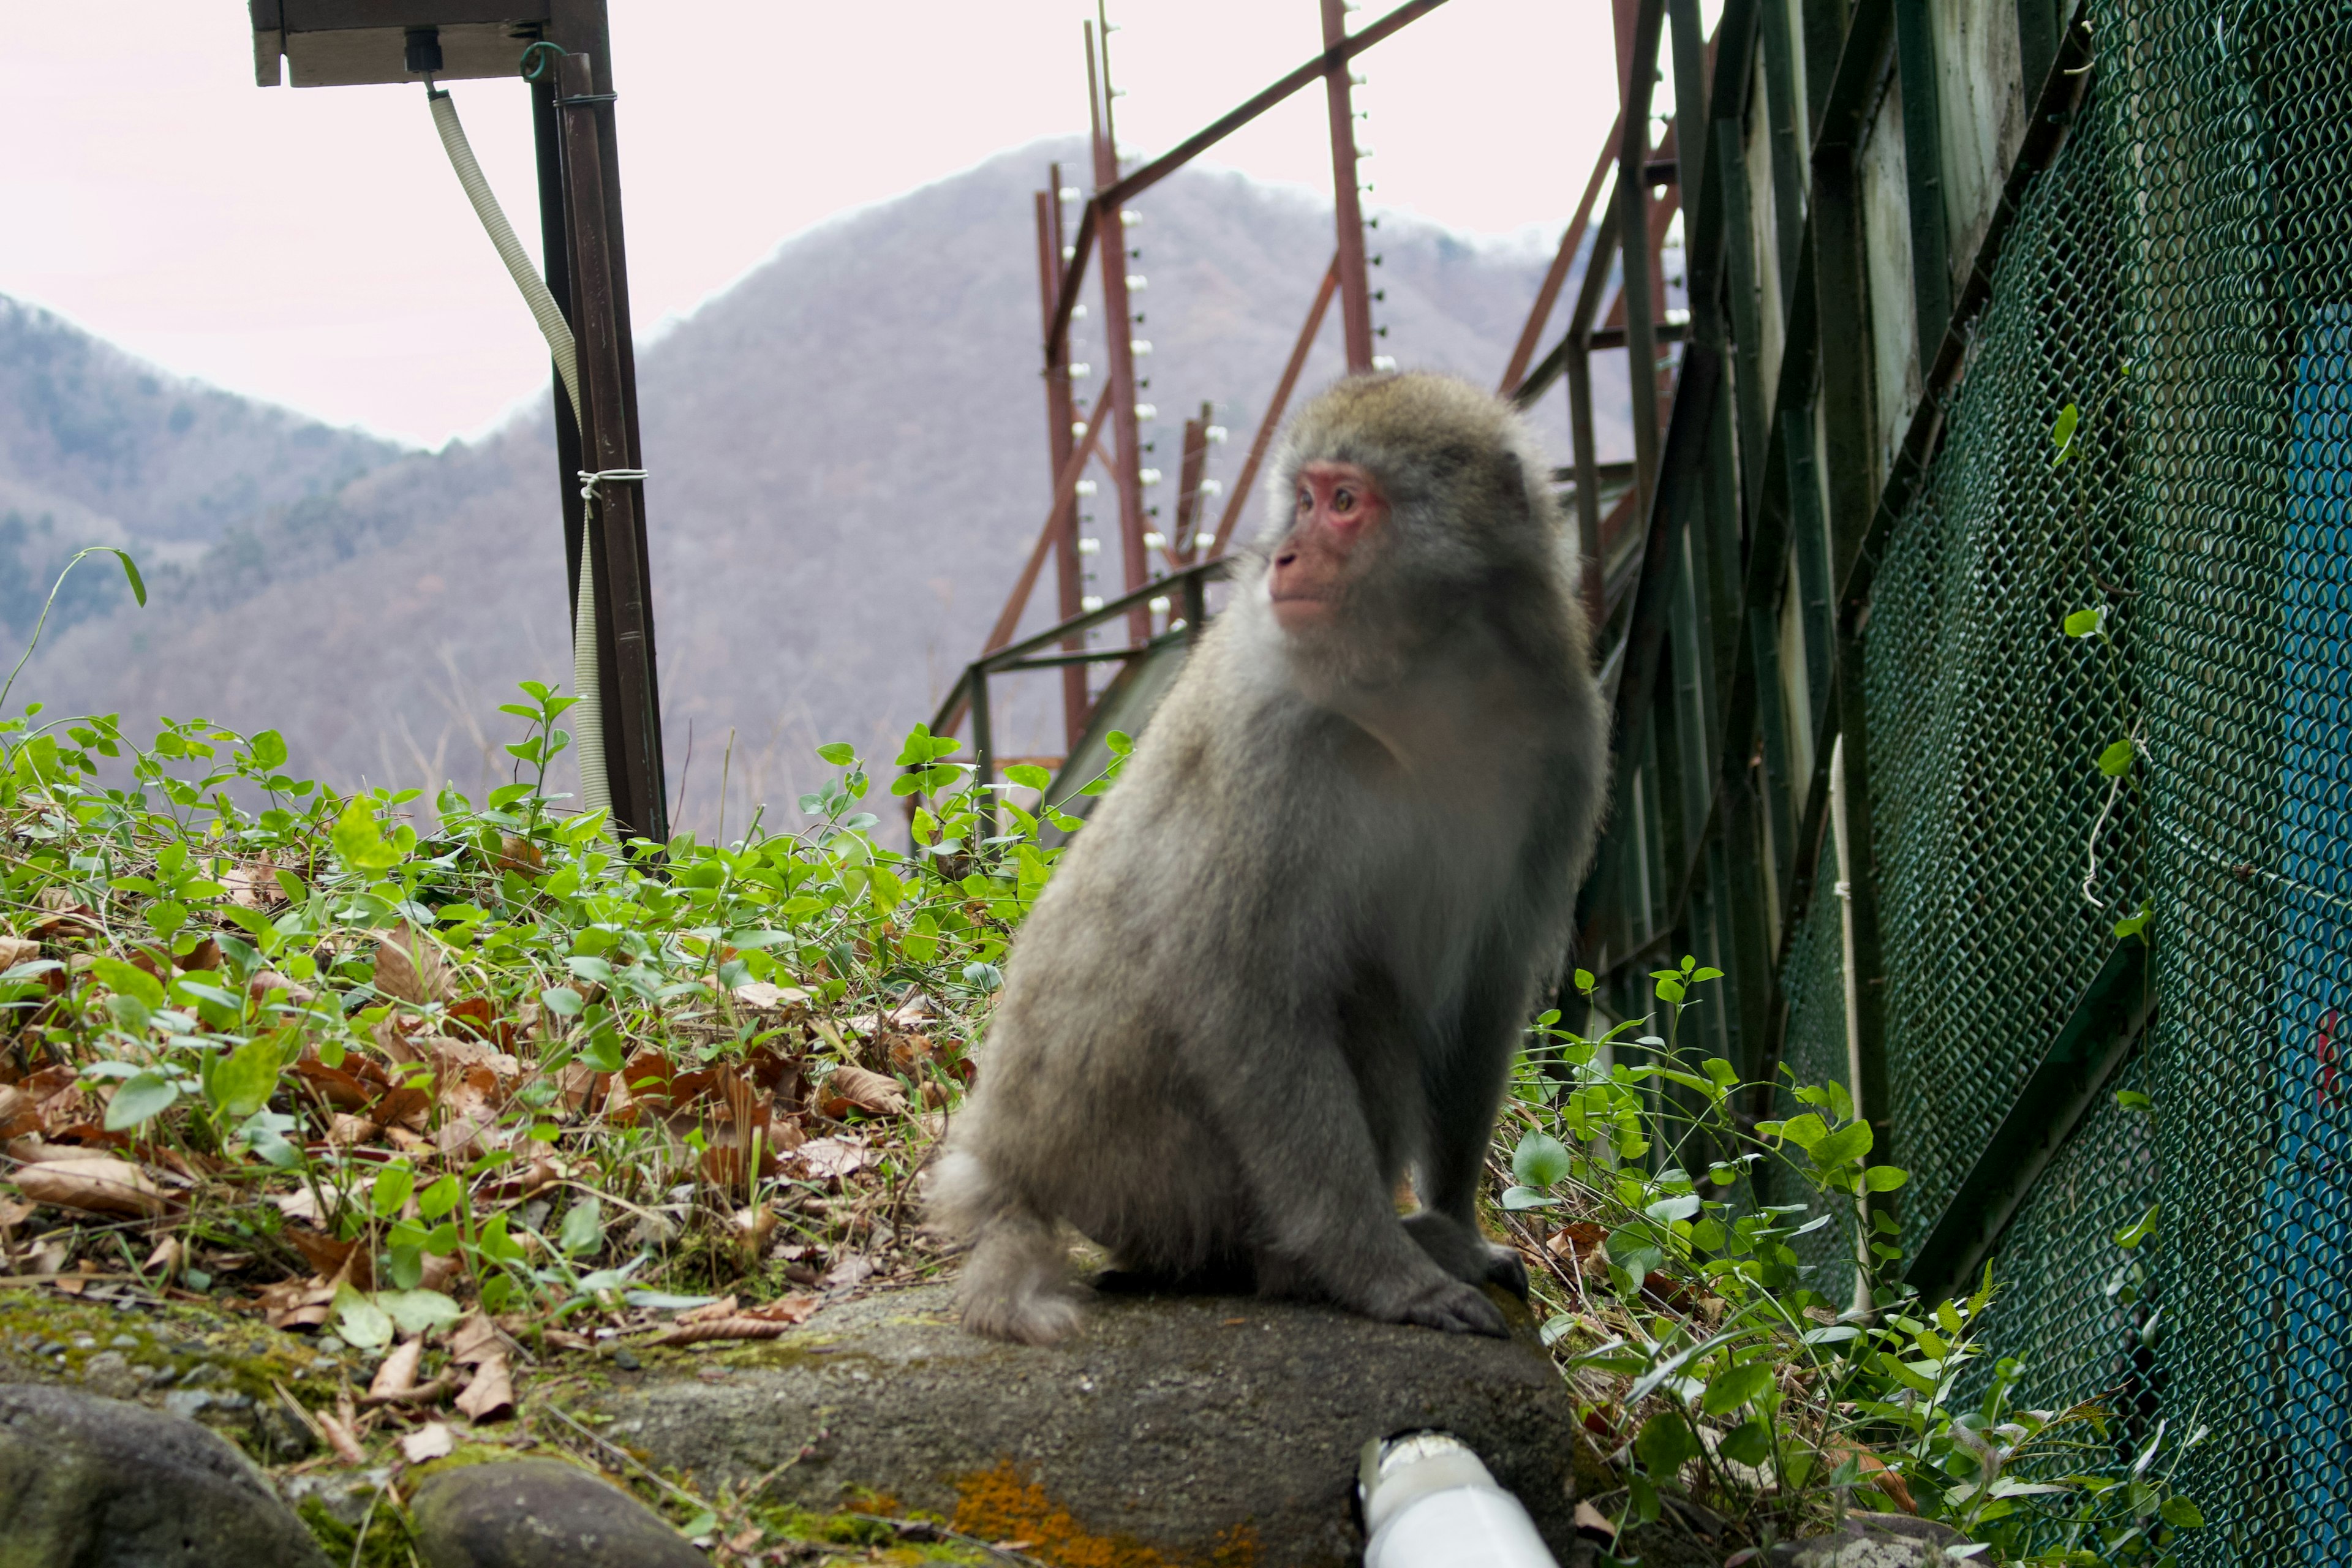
(1848, 1143)
(840, 753)
(1736, 1386)
(1516, 1199)
(417, 1311)
(1884, 1178)
(141, 1099)
(2062, 433)
(243, 1083)
(2133, 924)
(128, 979)
(360, 842)
(1665, 1211)
(584, 1227)
(562, 1001)
(266, 751)
(1666, 1444)
(2116, 760)
(359, 1321)
(1584, 982)
(1540, 1160)
(2182, 1513)
(440, 1197)
(1751, 1443)
(2140, 1229)
(1670, 990)
(1805, 1131)
(2133, 1099)
(1028, 776)
(392, 1185)
(2083, 623)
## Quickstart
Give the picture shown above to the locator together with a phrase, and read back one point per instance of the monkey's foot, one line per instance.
(1467, 1255)
(1452, 1306)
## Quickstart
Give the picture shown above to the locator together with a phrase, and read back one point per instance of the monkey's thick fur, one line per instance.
(1291, 955)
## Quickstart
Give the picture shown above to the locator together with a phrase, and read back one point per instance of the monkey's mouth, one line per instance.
(1296, 610)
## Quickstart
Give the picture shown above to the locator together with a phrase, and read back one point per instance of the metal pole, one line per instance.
(1067, 585)
(555, 249)
(1355, 289)
(616, 542)
(1118, 343)
(1638, 22)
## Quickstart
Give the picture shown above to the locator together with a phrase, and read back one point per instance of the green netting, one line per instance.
(1814, 1048)
(1987, 720)
(2239, 178)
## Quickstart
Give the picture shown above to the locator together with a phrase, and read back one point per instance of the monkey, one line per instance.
(1291, 955)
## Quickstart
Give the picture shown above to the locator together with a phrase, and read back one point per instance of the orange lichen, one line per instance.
(1004, 1504)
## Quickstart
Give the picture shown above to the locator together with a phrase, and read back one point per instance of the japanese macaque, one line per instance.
(1291, 955)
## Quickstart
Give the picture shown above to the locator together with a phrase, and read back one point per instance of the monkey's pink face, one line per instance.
(1339, 507)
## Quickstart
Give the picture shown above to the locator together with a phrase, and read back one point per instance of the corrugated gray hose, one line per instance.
(588, 713)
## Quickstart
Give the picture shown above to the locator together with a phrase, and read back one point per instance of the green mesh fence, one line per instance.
(2197, 228)
(2239, 286)
(1987, 720)
(1814, 1048)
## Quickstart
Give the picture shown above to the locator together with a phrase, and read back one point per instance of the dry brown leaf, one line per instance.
(469, 1136)
(489, 1397)
(401, 1107)
(853, 1268)
(474, 1340)
(205, 955)
(297, 1303)
(1580, 1245)
(331, 1258)
(753, 1226)
(518, 854)
(165, 1260)
(1590, 1521)
(409, 967)
(93, 1183)
(722, 1320)
(763, 997)
(576, 1085)
(17, 1116)
(341, 1438)
(14, 1214)
(255, 885)
(433, 1440)
(16, 950)
(266, 980)
(831, 1159)
(349, 1132)
(855, 1088)
(398, 1376)
(64, 917)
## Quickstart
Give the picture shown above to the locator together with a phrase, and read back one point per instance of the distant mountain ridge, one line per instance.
(848, 464)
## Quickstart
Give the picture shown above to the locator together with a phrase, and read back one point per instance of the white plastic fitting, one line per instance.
(1430, 1503)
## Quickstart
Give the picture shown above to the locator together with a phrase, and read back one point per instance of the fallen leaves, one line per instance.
(92, 1184)
(409, 967)
(433, 1440)
(723, 1320)
(490, 1394)
(854, 1087)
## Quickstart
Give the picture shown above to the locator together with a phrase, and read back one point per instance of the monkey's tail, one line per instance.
(1015, 1283)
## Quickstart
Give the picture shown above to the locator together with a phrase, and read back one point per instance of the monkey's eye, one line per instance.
(1307, 501)
(1343, 501)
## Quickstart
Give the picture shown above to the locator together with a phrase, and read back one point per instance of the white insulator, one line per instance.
(1359, 79)
(1085, 487)
(1080, 371)
(1205, 541)
(1139, 347)
(1147, 412)
(1137, 283)
(1151, 475)
(1118, 92)
(1155, 540)
(1177, 624)
(1128, 219)
(1213, 486)
(1363, 151)
(1160, 605)
(1384, 362)
(1089, 546)
(1091, 602)
(1077, 313)
(1077, 429)
(1216, 433)
(1070, 193)
(1069, 253)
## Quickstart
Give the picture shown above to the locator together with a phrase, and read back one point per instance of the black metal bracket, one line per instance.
(2113, 1009)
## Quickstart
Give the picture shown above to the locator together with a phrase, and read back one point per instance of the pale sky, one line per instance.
(312, 247)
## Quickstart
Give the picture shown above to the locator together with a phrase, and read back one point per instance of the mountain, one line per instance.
(847, 462)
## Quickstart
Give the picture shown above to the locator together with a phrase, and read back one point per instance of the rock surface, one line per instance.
(1170, 1431)
(538, 1513)
(100, 1483)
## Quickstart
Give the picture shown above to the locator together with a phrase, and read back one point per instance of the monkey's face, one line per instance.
(1339, 509)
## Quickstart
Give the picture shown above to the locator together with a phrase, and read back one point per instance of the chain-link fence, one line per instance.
(2181, 277)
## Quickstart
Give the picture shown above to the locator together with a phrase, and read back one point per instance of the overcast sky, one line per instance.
(312, 247)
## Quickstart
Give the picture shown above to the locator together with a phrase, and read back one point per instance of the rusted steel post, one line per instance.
(1068, 587)
(1118, 340)
(1548, 295)
(1638, 22)
(1188, 488)
(1272, 420)
(617, 534)
(555, 248)
(1355, 289)
(1588, 483)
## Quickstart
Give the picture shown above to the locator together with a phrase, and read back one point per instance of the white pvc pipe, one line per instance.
(587, 714)
(1430, 1503)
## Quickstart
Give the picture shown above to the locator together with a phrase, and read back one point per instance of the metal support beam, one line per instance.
(1118, 331)
(1355, 288)
(616, 540)
(1923, 163)
(1068, 586)
(1638, 26)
